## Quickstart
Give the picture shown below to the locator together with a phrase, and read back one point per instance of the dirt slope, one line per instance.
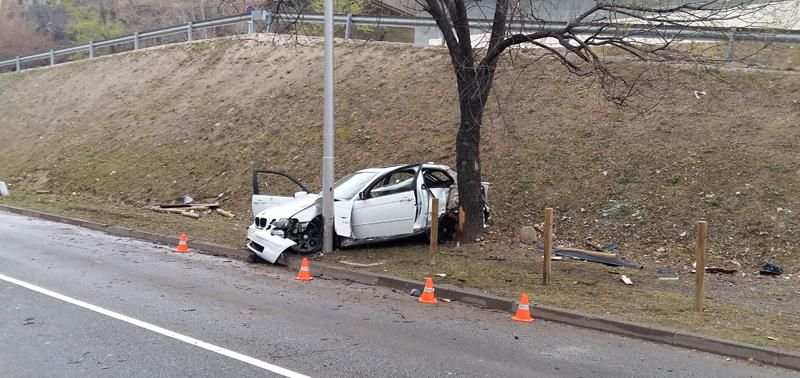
(196, 118)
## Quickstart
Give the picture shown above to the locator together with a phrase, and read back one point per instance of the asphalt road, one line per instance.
(321, 328)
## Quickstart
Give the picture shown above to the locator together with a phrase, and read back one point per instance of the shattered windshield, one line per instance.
(347, 188)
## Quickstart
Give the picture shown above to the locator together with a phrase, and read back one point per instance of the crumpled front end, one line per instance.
(266, 245)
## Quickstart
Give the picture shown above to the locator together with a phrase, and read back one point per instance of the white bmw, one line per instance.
(374, 204)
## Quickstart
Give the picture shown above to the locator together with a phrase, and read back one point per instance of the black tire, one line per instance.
(253, 258)
(311, 239)
(447, 229)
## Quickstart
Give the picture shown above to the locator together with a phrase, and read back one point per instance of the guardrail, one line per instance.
(729, 35)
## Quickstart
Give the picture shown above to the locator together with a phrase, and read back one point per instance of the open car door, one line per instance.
(278, 188)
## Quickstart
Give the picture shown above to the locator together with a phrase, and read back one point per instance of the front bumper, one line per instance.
(267, 246)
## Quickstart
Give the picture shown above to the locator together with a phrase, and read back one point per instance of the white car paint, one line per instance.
(372, 205)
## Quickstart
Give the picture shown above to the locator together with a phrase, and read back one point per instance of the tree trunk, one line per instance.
(473, 88)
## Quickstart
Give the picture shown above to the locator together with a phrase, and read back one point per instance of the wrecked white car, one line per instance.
(370, 205)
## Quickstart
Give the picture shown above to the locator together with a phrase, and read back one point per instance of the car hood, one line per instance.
(292, 207)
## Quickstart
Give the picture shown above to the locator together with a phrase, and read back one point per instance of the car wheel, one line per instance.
(311, 239)
(253, 258)
(447, 229)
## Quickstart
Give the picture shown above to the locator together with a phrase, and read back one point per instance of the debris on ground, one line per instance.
(448, 300)
(361, 265)
(667, 274)
(191, 214)
(223, 212)
(3, 189)
(717, 269)
(728, 267)
(41, 191)
(606, 258)
(187, 207)
(698, 94)
(440, 275)
(414, 292)
(608, 255)
(771, 270)
(184, 200)
(626, 280)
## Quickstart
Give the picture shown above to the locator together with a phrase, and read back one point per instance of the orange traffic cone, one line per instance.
(305, 273)
(523, 311)
(427, 293)
(182, 247)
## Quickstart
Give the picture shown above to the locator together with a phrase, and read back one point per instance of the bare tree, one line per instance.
(18, 37)
(577, 42)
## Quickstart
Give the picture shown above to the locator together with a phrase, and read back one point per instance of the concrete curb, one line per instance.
(472, 296)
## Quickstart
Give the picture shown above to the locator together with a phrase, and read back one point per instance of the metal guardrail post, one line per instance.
(269, 22)
(91, 49)
(731, 43)
(136, 40)
(18, 63)
(52, 57)
(348, 27)
(251, 25)
(189, 31)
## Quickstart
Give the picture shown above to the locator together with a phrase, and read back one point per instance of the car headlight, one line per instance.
(282, 224)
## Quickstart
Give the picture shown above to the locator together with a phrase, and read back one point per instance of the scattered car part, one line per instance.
(593, 258)
(667, 274)
(626, 280)
(186, 200)
(607, 255)
(770, 269)
(717, 269)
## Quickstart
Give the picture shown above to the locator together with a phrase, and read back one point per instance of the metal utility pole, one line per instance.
(327, 135)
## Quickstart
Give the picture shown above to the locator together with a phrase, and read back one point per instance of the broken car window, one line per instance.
(395, 182)
(437, 179)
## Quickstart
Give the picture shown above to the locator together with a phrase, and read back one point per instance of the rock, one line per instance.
(528, 235)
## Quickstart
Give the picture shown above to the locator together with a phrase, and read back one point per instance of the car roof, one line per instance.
(393, 167)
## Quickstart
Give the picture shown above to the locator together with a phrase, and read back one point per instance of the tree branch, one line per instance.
(445, 27)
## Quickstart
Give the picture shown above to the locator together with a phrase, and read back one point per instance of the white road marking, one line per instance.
(151, 327)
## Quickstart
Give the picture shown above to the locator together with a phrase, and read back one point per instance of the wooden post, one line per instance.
(434, 229)
(700, 268)
(548, 245)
